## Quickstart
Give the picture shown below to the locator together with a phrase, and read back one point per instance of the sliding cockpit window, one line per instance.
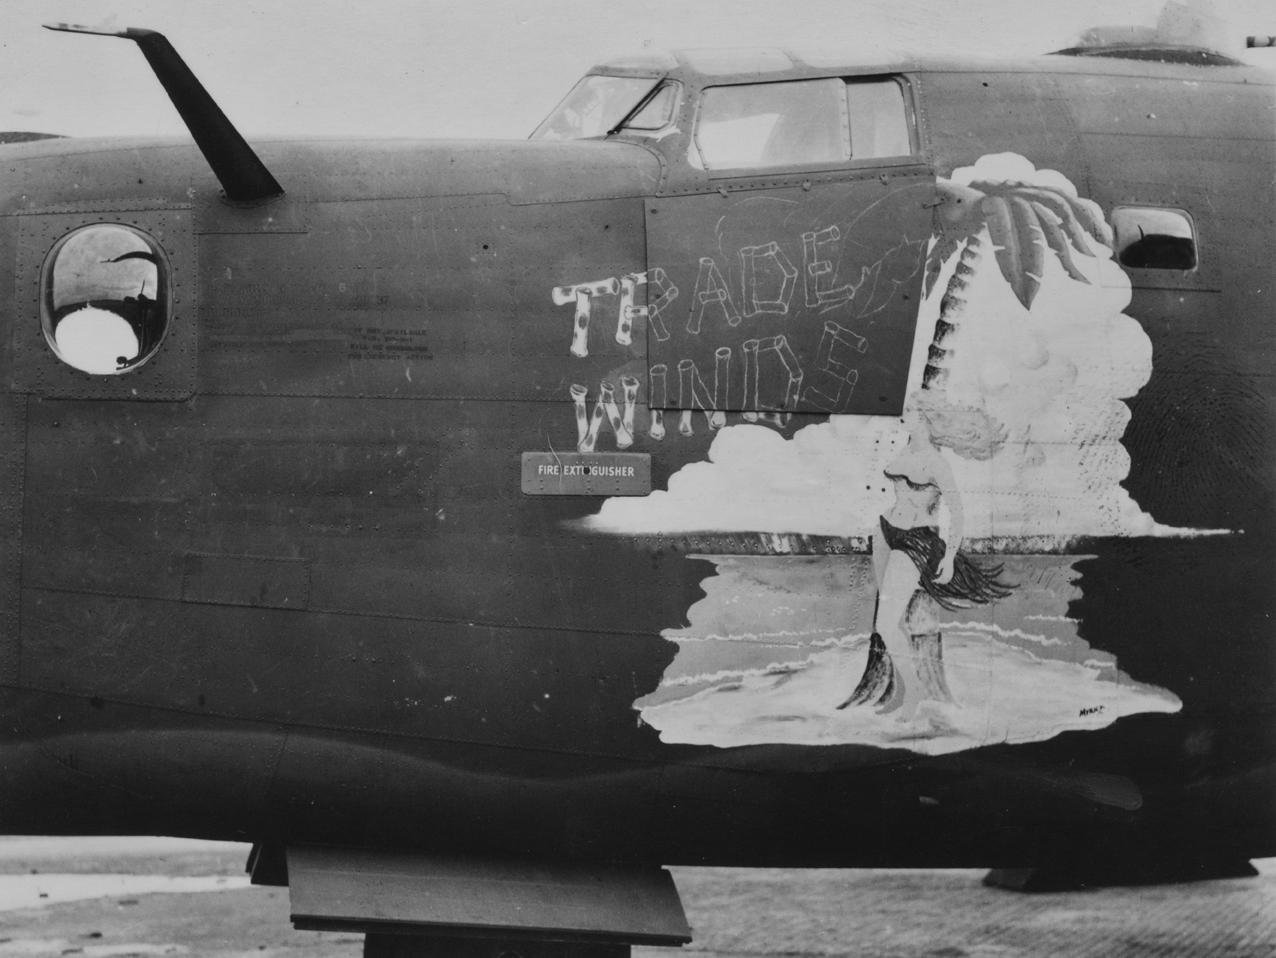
(105, 302)
(802, 122)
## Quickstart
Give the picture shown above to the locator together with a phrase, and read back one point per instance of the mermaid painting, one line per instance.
(918, 562)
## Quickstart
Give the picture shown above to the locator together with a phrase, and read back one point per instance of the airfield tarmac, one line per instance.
(112, 898)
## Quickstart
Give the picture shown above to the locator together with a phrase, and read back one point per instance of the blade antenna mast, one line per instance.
(243, 176)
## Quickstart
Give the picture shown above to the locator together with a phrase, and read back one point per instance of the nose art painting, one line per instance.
(940, 622)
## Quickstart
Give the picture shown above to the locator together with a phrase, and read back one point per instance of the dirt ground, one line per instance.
(734, 912)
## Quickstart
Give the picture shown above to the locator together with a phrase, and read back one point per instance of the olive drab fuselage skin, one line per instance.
(281, 582)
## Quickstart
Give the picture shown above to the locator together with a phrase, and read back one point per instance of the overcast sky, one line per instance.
(486, 68)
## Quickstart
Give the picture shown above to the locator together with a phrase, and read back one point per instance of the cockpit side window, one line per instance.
(773, 124)
(105, 300)
(595, 106)
(1150, 237)
(799, 122)
(658, 111)
(879, 119)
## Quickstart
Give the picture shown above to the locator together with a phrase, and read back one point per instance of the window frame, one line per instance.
(754, 172)
(655, 81)
(665, 83)
(1163, 270)
(169, 375)
(164, 293)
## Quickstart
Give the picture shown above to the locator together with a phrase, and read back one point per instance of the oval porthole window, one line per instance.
(105, 301)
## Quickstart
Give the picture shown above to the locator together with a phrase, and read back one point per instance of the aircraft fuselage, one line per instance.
(283, 581)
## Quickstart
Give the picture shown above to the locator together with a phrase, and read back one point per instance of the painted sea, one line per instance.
(778, 642)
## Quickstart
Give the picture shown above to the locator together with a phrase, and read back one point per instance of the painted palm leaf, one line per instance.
(1024, 222)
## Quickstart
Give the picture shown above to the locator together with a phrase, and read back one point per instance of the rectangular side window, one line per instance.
(1149, 237)
(801, 122)
(761, 125)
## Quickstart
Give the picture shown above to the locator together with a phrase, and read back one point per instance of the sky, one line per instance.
(488, 68)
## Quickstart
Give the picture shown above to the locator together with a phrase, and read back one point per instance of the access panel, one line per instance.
(800, 298)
